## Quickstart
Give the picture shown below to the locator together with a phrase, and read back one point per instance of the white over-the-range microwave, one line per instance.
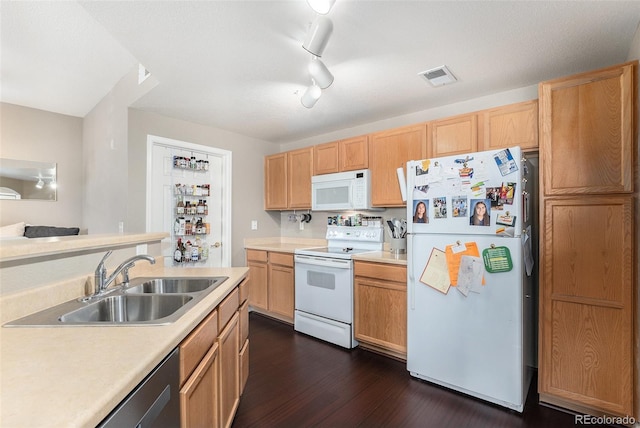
(342, 191)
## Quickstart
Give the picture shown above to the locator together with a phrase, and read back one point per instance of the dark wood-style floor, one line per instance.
(298, 381)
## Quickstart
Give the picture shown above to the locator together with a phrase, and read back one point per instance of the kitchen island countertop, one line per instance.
(74, 376)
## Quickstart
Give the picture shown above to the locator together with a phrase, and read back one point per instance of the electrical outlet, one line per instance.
(254, 224)
(301, 225)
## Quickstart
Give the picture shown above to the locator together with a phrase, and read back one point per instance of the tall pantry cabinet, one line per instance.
(588, 277)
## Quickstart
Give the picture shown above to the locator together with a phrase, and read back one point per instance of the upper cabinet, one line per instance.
(275, 182)
(586, 124)
(453, 135)
(300, 163)
(511, 125)
(287, 180)
(354, 153)
(325, 158)
(389, 150)
(344, 155)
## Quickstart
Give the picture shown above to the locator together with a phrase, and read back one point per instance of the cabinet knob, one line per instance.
(216, 244)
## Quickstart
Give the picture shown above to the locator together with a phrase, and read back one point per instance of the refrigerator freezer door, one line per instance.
(450, 189)
(472, 344)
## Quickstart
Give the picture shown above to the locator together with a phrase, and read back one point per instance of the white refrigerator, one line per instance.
(469, 265)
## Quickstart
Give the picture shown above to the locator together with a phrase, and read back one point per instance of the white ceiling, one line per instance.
(239, 65)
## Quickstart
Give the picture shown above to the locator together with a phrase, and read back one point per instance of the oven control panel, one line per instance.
(355, 233)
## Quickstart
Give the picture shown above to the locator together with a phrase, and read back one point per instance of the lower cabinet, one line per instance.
(271, 283)
(214, 364)
(381, 307)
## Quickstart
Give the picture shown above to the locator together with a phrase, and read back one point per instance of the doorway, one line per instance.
(172, 182)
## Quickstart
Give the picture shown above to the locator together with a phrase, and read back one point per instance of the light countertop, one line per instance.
(74, 376)
(286, 246)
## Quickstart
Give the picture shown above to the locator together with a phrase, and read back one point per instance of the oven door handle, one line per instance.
(323, 261)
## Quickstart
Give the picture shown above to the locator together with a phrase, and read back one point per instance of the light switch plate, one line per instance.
(254, 224)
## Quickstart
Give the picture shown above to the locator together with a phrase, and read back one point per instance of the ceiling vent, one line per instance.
(439, 76)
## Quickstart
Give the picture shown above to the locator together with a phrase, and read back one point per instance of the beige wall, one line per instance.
(247, 174)
(42, 136)
(105, 156)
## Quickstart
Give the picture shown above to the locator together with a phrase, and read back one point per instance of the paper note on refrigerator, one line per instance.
(470, 275)
(454, 255)
(436, 274)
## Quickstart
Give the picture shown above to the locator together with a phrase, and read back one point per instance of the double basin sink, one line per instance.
(153, 301)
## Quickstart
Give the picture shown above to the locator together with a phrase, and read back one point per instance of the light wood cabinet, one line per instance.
(389, 150)
(258, 274)
(511, 125)
(281, 284)
(339, 156)
(587, 133)
(453, 135)
(229, 385)
(199, 408)
(354, 153)
(276, 181)
(199, 375)
(588, 253)
(380, 320)
(244, 334)
(325, 158)
(274, 282)
(300, 170)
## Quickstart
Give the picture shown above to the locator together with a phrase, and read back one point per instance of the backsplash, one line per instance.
(317, 227)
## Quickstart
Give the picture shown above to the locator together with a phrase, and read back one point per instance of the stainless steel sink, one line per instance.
(128, 309)
(150, 301)
(172, 285)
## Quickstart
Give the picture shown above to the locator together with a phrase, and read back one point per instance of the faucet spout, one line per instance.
(102, 282)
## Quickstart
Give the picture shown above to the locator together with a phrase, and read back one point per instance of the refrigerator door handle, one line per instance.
(412, 279)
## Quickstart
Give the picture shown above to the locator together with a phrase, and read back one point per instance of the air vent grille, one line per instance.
(438, 76)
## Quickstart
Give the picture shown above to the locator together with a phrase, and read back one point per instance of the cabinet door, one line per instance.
(198, 396)
(281, 290)
(275, 182)
(229, 390)
(354, 153)
(325, 158)
(388, 151)
(587, 131)
(453, 135)
(381, 306)
(511, 125)
(300, 163)
(586, 304)
(258, 274)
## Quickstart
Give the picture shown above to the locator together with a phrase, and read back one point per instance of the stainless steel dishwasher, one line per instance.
(154, 403)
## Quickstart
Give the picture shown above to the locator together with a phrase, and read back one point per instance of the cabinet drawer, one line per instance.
(282, 259)
(244, 322)
(227, 308)
(257, 255)
(244, 290)
(381, 271)
(194, 347)
(244, 365)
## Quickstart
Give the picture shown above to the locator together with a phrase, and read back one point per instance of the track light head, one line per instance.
(320, 73)
(318, 36)
(311, 96)
(321, 6)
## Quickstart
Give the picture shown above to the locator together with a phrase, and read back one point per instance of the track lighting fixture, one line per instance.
(320, 73)
(321, 6)
(318, 36)
(311, 96)
(39, 184)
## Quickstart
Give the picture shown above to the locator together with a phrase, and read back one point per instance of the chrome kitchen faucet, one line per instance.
(102, 282)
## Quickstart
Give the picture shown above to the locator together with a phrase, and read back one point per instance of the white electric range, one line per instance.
(324, 283)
